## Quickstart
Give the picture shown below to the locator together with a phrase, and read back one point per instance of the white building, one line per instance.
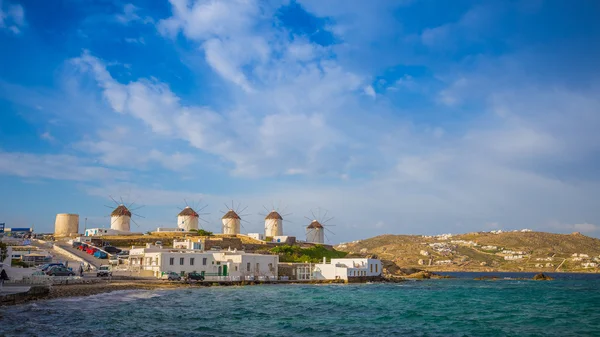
(214, 265)
(169, 229)
(257, 236)
(107, 231)
(345, 269)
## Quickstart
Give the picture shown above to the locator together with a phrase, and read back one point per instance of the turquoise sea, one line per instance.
(568, 306)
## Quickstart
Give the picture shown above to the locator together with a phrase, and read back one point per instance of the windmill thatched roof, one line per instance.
(231, 215)
(315, 224)
(121, 210)
(188, 211)
(273, 215)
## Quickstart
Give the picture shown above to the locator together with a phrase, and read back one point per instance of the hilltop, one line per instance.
(483, 251)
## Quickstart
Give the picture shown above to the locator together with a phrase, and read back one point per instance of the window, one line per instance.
(181, 261)
(172, 261)
(270, 267)
(248, 266)
(191, 261)
(371, 267)
(376, 266)
(204, 261)
(236, 268)
(257, 265)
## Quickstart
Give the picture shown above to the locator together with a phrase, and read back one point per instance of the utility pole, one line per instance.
(84, 226)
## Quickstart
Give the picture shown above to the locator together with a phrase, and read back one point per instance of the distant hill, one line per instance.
(483, 251)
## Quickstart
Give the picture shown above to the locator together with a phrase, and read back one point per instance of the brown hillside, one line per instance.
(510, 251)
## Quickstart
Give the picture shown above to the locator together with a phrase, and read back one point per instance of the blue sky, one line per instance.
(403, 117)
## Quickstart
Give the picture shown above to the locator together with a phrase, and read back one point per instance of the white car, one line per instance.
(103, 271)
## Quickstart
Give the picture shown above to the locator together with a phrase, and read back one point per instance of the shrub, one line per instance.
(314, 254)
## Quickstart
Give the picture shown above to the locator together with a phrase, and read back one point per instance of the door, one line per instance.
(224, 270)
(219, 271)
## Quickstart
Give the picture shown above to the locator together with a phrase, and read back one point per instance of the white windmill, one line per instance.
(273, 221)
(188, 218)
(315, 231)
(232, 220)
(120, 217)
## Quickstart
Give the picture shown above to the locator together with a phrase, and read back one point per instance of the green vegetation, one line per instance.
(3, 251)
(202, 232)
(314, 254)
(18, 263)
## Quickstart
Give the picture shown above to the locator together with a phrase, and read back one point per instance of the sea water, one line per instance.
(567, 306)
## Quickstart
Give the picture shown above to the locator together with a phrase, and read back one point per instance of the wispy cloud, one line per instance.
(130, 14)
(12, 17)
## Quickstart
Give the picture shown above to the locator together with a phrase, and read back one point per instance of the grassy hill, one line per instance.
(483, 251)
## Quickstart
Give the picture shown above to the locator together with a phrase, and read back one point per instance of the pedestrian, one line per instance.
(88, 267)
(3, 277)
(81, 270)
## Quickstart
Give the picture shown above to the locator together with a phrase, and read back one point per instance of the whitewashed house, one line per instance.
(184, 258)
(346, 269)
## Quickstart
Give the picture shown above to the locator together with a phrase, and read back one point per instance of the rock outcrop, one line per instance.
(542, 277)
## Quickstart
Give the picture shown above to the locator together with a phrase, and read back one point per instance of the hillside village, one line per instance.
(522, 250)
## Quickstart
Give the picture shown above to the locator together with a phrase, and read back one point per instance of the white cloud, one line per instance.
(130, 14)
(60, 166)
(12, 17)
(469, 27)
(585, 227)
(369, 91)
(47, 136)
(132, 40)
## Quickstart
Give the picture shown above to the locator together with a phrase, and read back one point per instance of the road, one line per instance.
(13, 289)
(85, 256)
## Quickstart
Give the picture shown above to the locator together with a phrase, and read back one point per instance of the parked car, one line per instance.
(76, 244)
(123, 254)
(113, 260)
(47, 266)
(111, 249)
(193, 276)
(100, 254)
(59, 271)
(104, 271)
(171, 276)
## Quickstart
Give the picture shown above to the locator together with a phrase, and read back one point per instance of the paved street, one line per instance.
(13, 289)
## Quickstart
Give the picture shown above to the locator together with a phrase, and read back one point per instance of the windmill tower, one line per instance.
(232, 219)
(120, 219)
(231, 222)
(187, 219)
(315, 231)
(273, 224)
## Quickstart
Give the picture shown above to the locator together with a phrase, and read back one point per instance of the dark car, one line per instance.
(194, 277)
(47, 266)
(111, 250)
(76, 244)
(59, 271)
